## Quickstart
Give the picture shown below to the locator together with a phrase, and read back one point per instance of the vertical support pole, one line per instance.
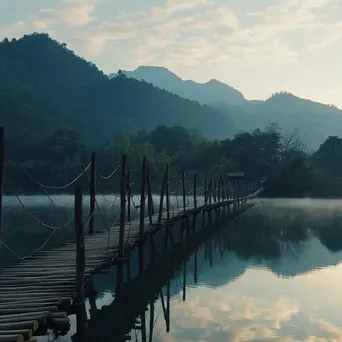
(206, 189)
(168, 296)
(92, 193)
(210, 194)
(142, 217)
(128, 265)
(222, 188)
(80, 249)
(161, 203)
(150, 339)
(120, 267)
(167, 191)
(183, 190)
(214, 190)
(143, 327)
(228, 194)
(128, 191)
(122, 206)
(150, 206)
(195, 190)
(184, 281)
(2, 162)
(210, 189)
(81, 318)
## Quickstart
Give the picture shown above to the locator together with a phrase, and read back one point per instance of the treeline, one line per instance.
(290, 170)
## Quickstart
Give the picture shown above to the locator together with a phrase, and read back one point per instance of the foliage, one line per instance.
(57, 108)
(44, 85)
(57, 159)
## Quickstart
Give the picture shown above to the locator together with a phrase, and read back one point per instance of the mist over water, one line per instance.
(274, 274)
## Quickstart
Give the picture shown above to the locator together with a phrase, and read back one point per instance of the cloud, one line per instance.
(13, 30)
(73, 13)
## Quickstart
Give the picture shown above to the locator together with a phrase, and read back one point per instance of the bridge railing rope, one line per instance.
(177, 194)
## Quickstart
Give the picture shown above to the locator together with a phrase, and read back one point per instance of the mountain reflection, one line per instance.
(265, 276)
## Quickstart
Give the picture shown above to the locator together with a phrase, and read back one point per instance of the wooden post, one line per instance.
(184, 281)
(214, 190)
(222, 188)
(92, 193)
(210, 189)
(150, 206)
(128, 191)
(162, 191)
(183, 190)
(168, 296)
(228, 194)
(142, 217)
(143, 327)
(80, 248)
(235, 194)
(122, 206)
(81, 317)
(206, 188)
(195, 190)
(150, 339)
(2, 162)
(167, 191)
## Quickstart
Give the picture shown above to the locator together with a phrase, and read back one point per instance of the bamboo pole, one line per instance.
(195, 190)
(92, 193)
(150, 206)
(214, 190)
(206, 189)
(183, 190)
(80, 252)
(167, 191)
(122, 205)
(128, 191)
(142, 217)
(81, 321)
(162, 191)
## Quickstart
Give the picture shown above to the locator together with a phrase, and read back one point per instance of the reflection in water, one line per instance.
(272, 275)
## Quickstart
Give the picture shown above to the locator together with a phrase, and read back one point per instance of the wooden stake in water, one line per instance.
(80, 248)
(92, 193)
(206, 189)
(195, 190)
(149, 196)
(161, 203)
(167, 195)
(142, 217)
(128, 191)
(183, 190)
(122, 205)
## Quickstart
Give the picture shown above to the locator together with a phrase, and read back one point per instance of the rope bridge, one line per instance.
(39, 290)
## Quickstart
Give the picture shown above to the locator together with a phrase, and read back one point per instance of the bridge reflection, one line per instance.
(256, 238)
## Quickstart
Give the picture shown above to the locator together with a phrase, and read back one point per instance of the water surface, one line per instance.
(272, 275)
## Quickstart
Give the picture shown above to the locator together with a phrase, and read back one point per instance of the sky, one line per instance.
(257, 46)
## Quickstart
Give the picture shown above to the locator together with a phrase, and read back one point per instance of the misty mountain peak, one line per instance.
(213, 91)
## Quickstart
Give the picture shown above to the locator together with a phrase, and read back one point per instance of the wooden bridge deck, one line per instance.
(38, 293)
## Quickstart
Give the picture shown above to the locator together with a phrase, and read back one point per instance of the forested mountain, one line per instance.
(44, 85)
(312, 120)
(207, 93)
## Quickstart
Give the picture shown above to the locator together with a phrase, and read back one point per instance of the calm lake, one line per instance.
(274, 274)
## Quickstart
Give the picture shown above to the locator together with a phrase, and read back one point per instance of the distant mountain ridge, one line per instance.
(210, 92)
(312, 120)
